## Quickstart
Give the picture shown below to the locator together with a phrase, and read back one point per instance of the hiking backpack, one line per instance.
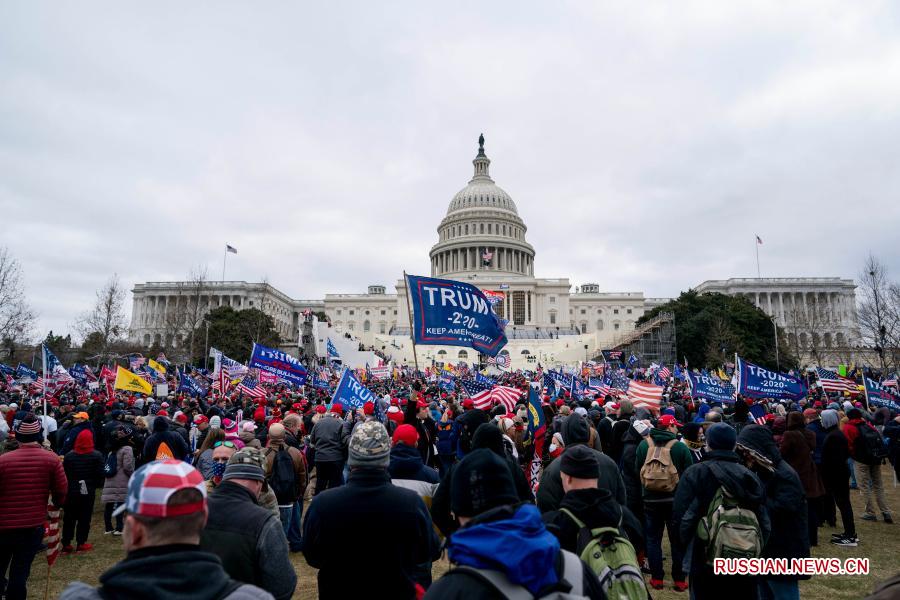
(868, 447)
(612, 557)
(728, 530)
(283, 478)
(498, 581)
(658, 473)
(110, 467)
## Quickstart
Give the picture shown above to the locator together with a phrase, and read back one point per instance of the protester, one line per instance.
(84, 472)
(248, 538)
(502, 549)
(286, 476)
(79, 422)
(390, 527)
(797, 448)
(166, 511)
(836, 477)
(29, 475)
(575, 431)
(785, 504)
(406, 467)
(164, 443)
(117, 470)
(697, 488)
(329, 440)
(868, 452)
(203, 456)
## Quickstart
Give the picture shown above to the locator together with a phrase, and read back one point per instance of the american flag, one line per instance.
(501, 360)
(136, 361)
(664, 373)
(832, 382)
(602, 386)
(758, 412)
(484, 396)
(51, 533)
(645, 394)
(892, 381)
(251, 387)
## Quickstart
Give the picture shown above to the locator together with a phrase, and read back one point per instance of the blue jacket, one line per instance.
(816, 428)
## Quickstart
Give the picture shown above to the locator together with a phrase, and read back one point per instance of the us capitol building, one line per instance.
(482, 240)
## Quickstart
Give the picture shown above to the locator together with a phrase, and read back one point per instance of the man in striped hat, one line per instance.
(28, 475)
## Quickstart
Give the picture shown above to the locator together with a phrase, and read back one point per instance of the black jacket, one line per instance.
(696, 489)
(174, 572)
(595, 508)
(631, 477)
(785, 499)
(163, 433)
(83, 467)
(382, 530)
(617, 437)
(835, 453)
(68, 441)
(406, 463)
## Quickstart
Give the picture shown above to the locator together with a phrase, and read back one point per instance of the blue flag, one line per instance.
(7, 370)
(632, 360)
(453, 313)
(881, 395)
(188, 384)
(331, 350)
(279, 363)
(351, 393)
(756, 382)
(711, 389)
(23, 372)
(319, 382)
(484, 379)
(447, 382)
(78, 374)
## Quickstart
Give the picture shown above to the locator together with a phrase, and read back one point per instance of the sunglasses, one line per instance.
(226, 443)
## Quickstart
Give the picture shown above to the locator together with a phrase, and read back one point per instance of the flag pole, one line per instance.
(225, 258)
(757, 257)
(47, 587)
(412, 333)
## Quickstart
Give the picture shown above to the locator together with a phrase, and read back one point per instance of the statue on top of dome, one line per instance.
(481, 144)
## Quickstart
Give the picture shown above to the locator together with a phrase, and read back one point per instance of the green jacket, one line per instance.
(681, 458)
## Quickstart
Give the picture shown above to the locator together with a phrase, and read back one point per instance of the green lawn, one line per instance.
(878, 542)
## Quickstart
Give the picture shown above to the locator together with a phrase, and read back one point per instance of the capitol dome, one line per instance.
(482, 231)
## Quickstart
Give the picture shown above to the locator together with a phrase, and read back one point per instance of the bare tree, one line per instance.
(879, 311)
(808, 326)
(105, 324)
(182, 318)
(16, 317)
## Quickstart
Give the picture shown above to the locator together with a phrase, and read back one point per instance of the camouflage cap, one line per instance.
(247, 463)
(370, 446)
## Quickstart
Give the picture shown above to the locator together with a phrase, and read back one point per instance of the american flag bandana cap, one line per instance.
(151, 486)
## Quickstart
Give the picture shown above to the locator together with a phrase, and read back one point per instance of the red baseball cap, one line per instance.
(668, 421)
(407, 434)
(421, 403)
(468, 403)
(321, 409)
(337, 408)
(200, 419)
(151, 486)
(369, 408)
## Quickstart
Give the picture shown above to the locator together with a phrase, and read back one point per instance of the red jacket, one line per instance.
(28, 477)
(852, 432)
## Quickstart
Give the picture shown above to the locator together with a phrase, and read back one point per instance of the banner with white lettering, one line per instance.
(754, 381)
(711, 389)
(879, 395)
(453, 313)
(278, 363)
(350, 392)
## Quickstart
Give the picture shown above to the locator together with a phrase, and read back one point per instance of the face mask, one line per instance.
(219, 469)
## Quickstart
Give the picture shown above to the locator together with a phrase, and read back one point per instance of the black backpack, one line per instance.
(869, 448)
(110, 467)
(283, 479)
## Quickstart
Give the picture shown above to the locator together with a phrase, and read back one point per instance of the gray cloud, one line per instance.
(644, 148)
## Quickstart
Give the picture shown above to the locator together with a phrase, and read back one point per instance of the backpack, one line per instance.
(658, 473)
(110, 467)
(728, 530)
(163, 452)
(572, 574)
(283, 478)
(868, 447)
(612, 557)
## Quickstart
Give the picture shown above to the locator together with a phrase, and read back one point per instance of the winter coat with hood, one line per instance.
(696, 489)
(408, 471)
(514, 541)
(631, 477)
(166, 572)
(575, 430)
(115, 488)
(797, 447)
(595, 508)
(163, 433)
(83, 463)
(785, 498)
(835, 454)
(68, 442)
(681, 455)
(329, 439)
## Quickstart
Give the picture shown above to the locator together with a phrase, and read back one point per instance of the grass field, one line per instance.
(878, 542)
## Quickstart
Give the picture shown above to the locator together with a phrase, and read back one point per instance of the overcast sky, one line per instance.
(645, 145)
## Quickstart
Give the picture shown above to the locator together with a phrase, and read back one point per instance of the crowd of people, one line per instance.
(208, 494)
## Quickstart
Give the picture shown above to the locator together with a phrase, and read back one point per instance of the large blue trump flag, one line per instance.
(351, 393)
(711, 389)
(278, 363)
(453, 313)
(881, 395)
(756, 382)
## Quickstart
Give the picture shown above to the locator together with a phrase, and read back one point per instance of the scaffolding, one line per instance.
(652, 342)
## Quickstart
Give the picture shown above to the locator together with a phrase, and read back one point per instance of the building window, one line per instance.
(382, 327)
(367, 312)
(526, 351)
(628, 311)
(467, 229)
(518, 307)
(552, 299)
(489, 227)
(553, 318)
(481, 228)
(599, 324)
(350, 326)
(583, 327)
(442, 354)
(599, 311)
(352, 312)
(462, 354)
(615, 311)
(338, 311)
(616, 326)
(383, 312)
(395, 313)
(366, 325)
(583, 311)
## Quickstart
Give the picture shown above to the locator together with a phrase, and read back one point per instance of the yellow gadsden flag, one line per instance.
(161, 370)
(128, 381)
